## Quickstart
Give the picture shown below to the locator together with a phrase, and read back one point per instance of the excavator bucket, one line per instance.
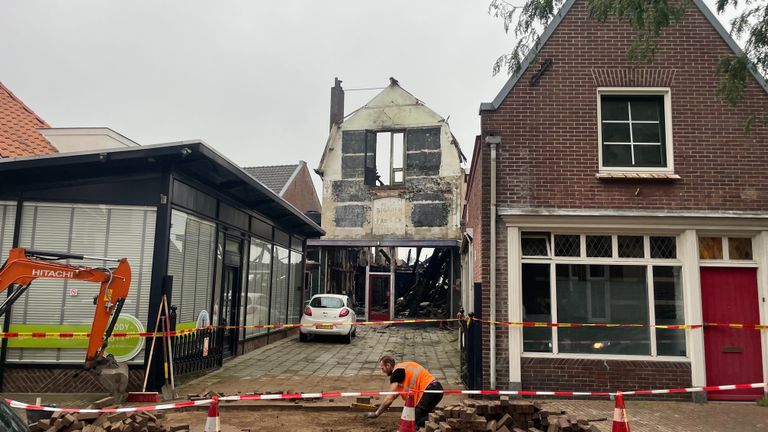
(113, 377)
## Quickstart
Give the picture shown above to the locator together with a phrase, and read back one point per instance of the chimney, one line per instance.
(337, 103)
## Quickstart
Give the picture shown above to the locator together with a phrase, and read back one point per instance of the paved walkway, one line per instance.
(436, 349)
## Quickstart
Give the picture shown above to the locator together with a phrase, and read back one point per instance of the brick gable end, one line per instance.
(549, 152)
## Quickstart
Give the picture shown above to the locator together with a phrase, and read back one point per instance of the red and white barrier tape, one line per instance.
(120, 335)
(325, 395)
(616, 325)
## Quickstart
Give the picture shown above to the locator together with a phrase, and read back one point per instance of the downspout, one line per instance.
(493, 141)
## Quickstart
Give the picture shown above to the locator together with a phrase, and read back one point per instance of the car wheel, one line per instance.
(354, 332)
(303, 337)
(348, 338)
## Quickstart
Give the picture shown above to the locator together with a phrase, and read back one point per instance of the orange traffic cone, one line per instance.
(620, 420)
(408, 418)
(212, 422)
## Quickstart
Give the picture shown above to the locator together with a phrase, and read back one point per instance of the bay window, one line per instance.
(602, 279)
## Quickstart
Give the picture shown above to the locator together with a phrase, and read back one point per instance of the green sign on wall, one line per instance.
(124, 349)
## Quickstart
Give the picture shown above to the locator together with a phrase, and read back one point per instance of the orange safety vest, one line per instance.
(416, 378)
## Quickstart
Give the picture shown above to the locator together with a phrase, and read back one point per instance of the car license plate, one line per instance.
(324, 326)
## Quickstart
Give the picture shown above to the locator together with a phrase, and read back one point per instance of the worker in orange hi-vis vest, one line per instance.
(409, 376)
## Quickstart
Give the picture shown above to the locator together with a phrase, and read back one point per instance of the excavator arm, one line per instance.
(24, 266)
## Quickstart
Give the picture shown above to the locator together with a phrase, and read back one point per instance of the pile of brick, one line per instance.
(503, 415)
(142, 421)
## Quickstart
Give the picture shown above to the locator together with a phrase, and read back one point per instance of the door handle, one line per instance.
(732, 349)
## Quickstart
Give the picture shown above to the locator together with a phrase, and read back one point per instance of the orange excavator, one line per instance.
(24, 266)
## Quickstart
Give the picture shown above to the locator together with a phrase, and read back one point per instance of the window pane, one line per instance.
(296, 292)
(646, 109)
(567, 245)
(710, 248)
(649, 155)
(534, 245)
(613, 109)
(668, 305)
(190, 262)
(740, 248)
(326, 303)
(257, 304)
(599, 294)
(279, 297)
(398, 152)
(599, 246)
(383, 149)
(49, 305)
(631, 247)
(536, 307)
(617, 155)
(616, 132)
(663, 247)
(646, 133)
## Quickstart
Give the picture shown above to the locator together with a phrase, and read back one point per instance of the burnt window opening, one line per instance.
(384, 158)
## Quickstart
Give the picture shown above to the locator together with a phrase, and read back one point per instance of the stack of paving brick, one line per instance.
(503, 416)
(105, 422)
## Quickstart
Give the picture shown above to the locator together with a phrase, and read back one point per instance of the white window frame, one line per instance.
(637, 91)
(726, 260)
(646, 261)
(392, 156)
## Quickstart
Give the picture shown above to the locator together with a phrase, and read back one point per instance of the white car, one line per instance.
(328, 314)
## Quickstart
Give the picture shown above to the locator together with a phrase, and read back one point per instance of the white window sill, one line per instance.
(622, 175)
(619, 357)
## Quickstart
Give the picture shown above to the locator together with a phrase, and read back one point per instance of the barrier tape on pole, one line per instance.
(325, 395)
(118, 335)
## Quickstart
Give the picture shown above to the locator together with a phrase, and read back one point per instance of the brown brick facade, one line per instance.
(545, 374)
(301, 192)
(548, 159)
(548, 155)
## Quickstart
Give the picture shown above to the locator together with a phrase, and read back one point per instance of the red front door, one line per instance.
(378, 298)
(733, 356)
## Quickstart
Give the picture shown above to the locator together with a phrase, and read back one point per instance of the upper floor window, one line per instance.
(635, 130)
(390, 154)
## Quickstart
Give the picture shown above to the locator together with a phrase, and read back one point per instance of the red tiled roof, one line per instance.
(18, 128)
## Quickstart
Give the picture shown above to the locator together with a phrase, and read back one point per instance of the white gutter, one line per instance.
(493, 141)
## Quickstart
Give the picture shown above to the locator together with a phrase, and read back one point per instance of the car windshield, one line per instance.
(327, 302)
(9, 421)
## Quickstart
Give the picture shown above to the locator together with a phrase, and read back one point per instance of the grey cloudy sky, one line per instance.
(252, 78)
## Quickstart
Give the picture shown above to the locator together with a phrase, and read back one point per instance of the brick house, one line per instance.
(604, 191)
(292, 183)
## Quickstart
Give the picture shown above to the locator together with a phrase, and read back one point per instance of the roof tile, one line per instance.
(18, 128)
(274, 177)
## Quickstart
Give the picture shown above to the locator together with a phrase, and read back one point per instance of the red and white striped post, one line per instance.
(212, 423)
(408, 418)
(620, 420)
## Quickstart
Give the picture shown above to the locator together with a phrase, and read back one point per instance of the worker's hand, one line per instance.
(370, 415)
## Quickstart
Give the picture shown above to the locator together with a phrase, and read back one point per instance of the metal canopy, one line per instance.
(193, 159)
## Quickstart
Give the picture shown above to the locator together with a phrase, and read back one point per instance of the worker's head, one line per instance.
(387, 364)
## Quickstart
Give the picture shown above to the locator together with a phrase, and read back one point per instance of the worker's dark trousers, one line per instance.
(428, 403)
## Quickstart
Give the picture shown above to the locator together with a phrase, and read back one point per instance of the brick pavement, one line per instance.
(436, 349)
(655, 416)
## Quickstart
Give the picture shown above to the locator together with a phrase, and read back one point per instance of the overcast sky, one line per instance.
(251, 78)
